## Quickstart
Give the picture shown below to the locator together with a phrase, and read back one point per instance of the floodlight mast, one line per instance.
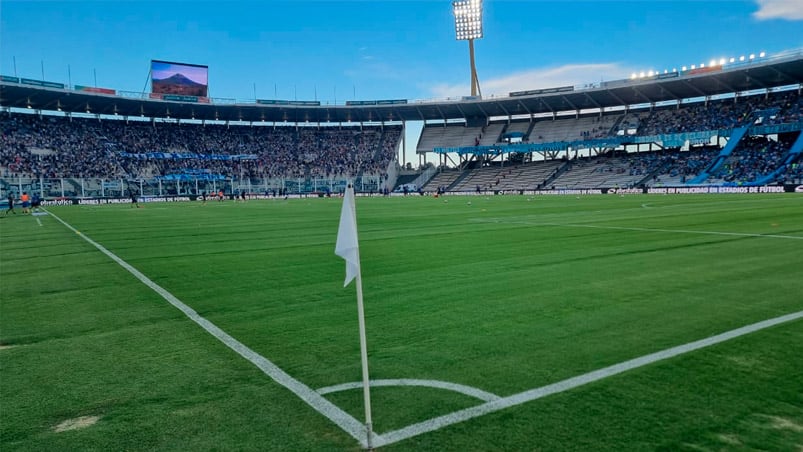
(468, 26)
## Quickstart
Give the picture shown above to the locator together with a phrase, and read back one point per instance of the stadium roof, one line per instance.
(773, 72)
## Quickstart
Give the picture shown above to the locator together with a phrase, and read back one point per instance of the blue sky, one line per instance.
(343, 50)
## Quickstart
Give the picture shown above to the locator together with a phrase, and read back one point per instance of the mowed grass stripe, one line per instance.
(290, 287)
(323, 406)
(503, 308)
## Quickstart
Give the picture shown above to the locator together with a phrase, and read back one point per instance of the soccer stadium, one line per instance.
(612, 265)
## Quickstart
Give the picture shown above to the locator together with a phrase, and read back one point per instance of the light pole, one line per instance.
(468, 27)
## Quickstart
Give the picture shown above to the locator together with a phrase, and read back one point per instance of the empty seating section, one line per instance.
(519, 128)
(492, 134)
(597, 172)
(506, 178)
(453, 135)
(587, 128)
(443, 179)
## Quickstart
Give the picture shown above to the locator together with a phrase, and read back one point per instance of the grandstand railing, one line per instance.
(668, 140)
(69, 187)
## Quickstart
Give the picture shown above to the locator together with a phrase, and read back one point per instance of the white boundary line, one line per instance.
(358, 431)
(462, 389)
(623, 228)
(571, 383)
(342, 419)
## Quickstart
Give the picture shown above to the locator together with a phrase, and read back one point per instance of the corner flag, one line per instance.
(347, 246)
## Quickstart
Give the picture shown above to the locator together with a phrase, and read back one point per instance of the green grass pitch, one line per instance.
(501, 293)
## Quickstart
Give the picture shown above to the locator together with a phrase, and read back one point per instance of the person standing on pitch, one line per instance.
(134, 200)
(11, 203)
(36, 202)
(26, 202)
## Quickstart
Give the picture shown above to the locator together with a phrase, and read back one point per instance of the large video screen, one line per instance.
(179, 78)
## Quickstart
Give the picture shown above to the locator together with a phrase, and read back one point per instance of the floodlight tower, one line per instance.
(468, 27)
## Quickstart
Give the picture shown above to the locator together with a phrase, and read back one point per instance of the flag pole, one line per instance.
(364, 358)
(348, 248)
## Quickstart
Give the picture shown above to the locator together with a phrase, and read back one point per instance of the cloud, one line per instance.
(570, 74)
(779, 9)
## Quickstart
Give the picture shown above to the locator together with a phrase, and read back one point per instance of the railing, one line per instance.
(69, 187)
(669, 139)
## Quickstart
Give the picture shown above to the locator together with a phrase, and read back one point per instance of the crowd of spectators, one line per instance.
(789, 106)
(55, 146)
(52, 147)
(752, 159)
(723, 114)
(696, 117)
(793, 172)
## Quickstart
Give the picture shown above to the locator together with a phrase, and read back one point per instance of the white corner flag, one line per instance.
(348, 248)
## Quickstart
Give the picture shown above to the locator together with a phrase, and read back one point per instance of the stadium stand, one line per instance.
(50, 146)
(547, 131)
(529, 176)
(450, 135)
(92, 153)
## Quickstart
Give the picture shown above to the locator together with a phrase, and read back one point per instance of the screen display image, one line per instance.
(179, 78)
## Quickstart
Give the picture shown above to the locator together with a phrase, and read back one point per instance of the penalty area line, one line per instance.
(626, 228)
(342, 419)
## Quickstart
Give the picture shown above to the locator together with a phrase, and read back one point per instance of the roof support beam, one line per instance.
(727, 86)
(782, 73)
(566, 99)
(596, 104)
(642, 95)
(507, 113)
(487, 116)
(437, 107)
(526, 109)
(666, 90)
(694, 88)
(618, 99)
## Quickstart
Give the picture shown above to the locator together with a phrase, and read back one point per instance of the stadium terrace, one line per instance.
(735, 125)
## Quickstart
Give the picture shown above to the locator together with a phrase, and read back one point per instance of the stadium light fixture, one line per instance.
(752, 56)
(722, 61)
(762, 55)
(468, 27)
(741, 58)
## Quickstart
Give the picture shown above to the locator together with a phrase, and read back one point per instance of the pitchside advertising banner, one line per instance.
(179, 79)
(788, 188)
